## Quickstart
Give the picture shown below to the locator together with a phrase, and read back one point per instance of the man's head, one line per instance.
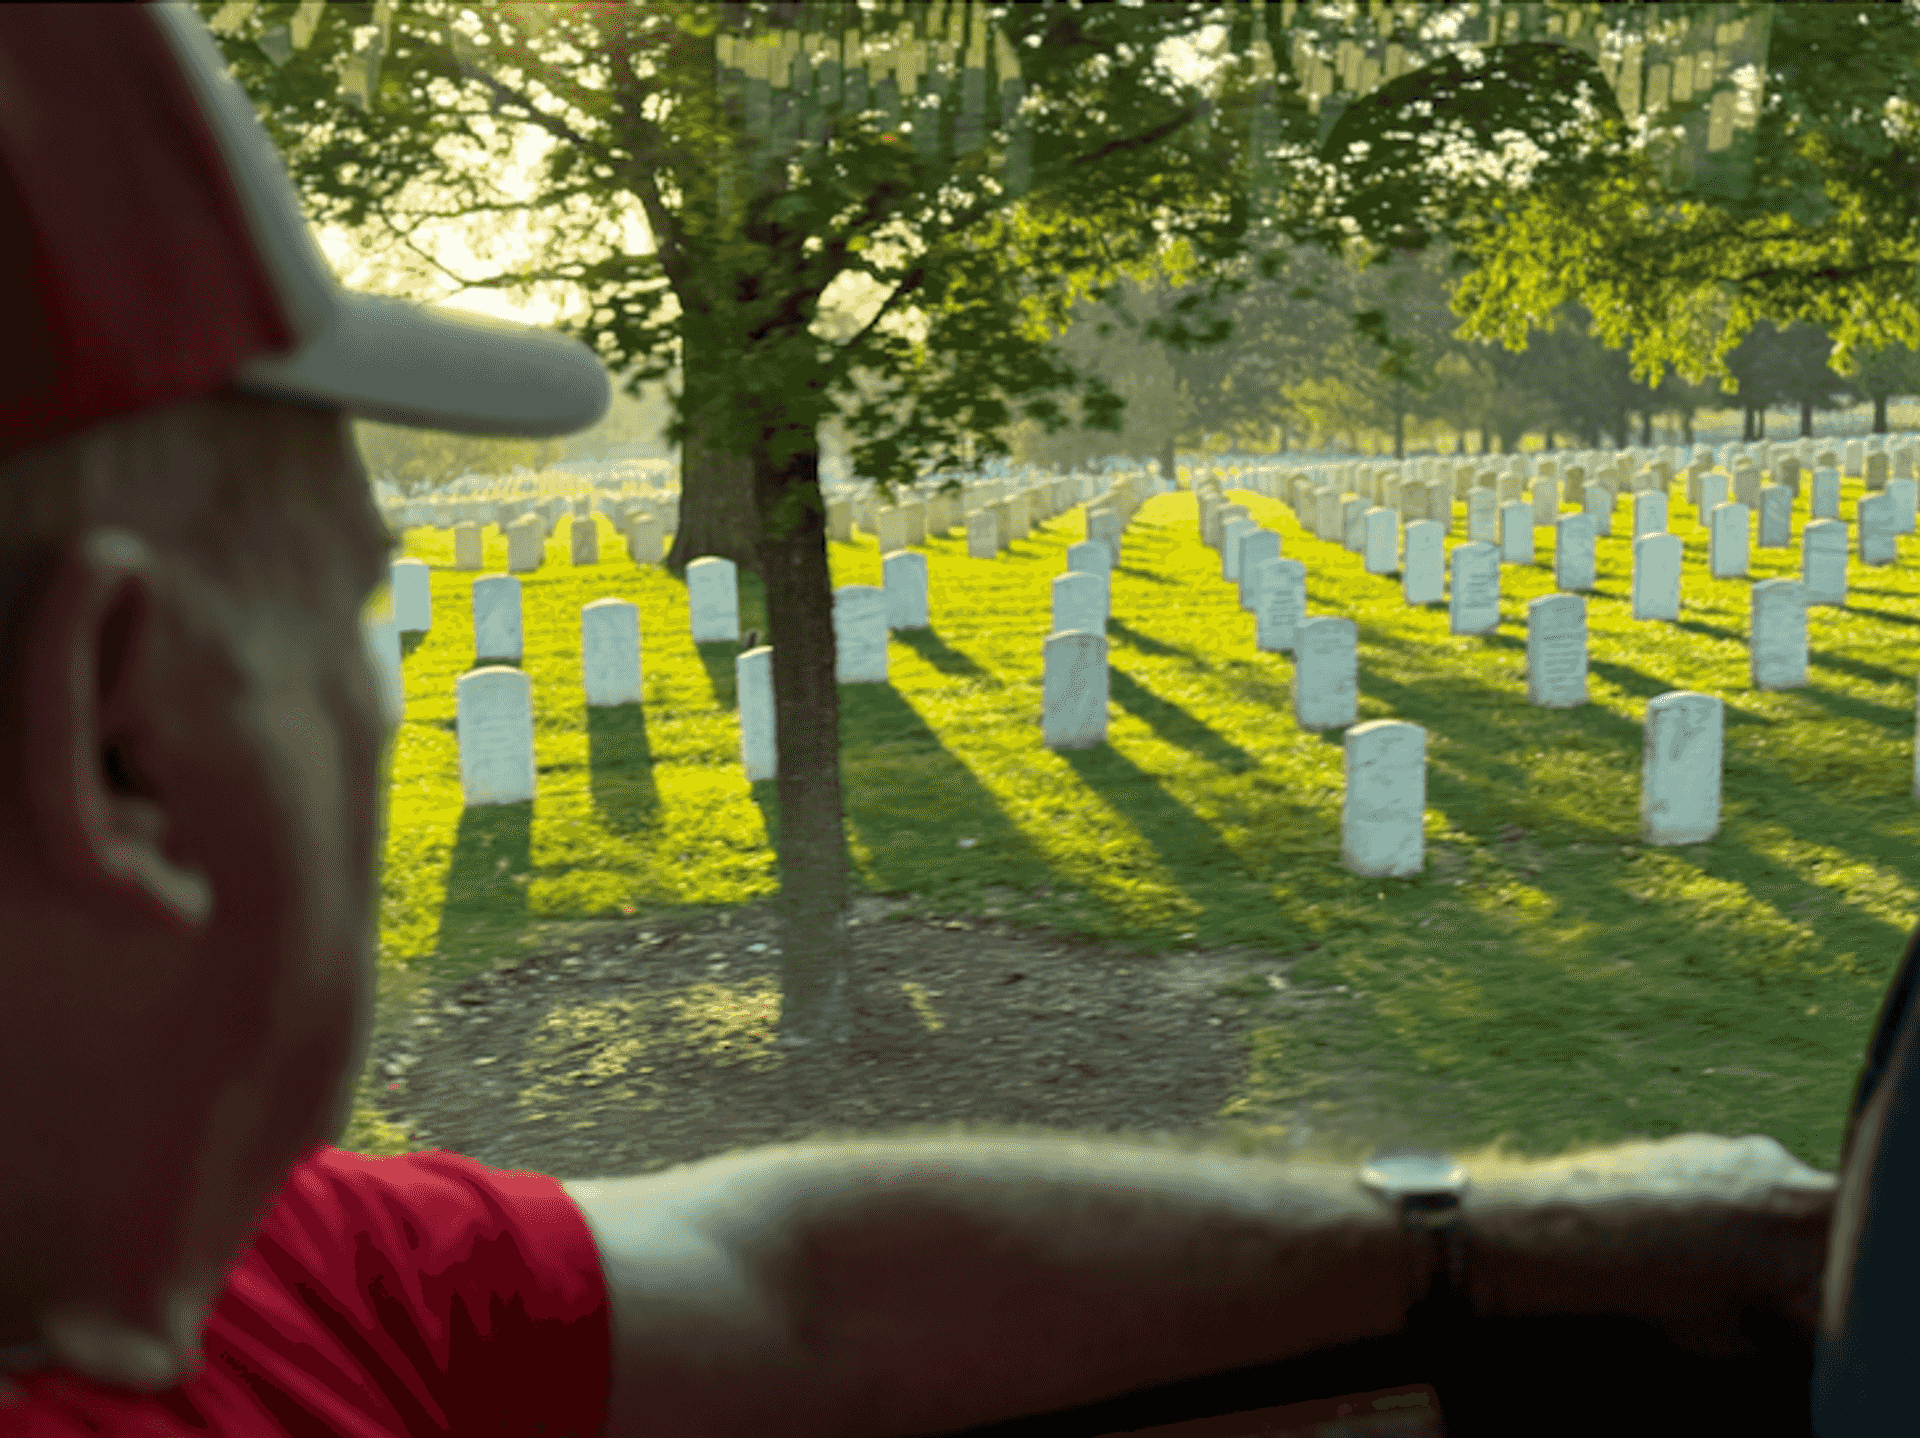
(190, 733)
(189, 748)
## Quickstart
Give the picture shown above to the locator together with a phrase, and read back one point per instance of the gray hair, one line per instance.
(243, 501)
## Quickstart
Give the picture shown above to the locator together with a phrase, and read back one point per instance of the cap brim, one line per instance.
(373, 356)
(403, 363)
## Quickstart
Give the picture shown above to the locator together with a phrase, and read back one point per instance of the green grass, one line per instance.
(1542, 993)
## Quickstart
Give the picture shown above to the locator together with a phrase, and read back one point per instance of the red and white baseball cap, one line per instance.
(153, 251)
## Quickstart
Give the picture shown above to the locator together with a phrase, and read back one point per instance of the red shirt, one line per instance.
(412, 1295)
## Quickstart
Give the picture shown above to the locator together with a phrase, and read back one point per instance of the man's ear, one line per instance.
(85, 712)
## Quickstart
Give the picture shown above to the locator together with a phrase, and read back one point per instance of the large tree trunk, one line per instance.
(1879, 414)
(1646, 428)
(1167, 461)
(817, 989)
(1806, 419)
(717, 511)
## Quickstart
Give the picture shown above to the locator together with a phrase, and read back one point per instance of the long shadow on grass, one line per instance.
(717, 660)
(910, 801)
(620, 767)
(1191, 850)
(1119, 628)
(1634, 681)
(1861, 711)
(1888, 615)
(1710, 631)
(937, 652)
(486, 905)
(1794, 898)
(1175, 725)
(1476, 750)
(1818, 658)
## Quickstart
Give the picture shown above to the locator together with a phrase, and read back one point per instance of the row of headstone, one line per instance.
(1075, 681)
(1383, 812)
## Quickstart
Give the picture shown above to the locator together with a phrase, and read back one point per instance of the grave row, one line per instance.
(995, 514)
(1875, 460)
(1374, 531)
(1383, 810)
(1386, 767)
(610, 648)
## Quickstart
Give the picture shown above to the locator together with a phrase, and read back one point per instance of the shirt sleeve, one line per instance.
(421, 1294)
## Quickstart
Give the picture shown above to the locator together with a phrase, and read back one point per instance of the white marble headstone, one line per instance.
(1079, 602)
(493, 726)
(983, 534)
(1901, 490)
(466, 545)
(610, 652)
(1557, 651)
(1104, 525)
(913, 514)
(496, 619)
(890, 528)
(1423, 563)
(1074, 690)
(1230, 536)
(1516, 532)
(583, 540)
(1713, 493)
(860, 634)
(1481, 509)
(1353, 523)
(1727, 541)
(1826, 494)
(753, 687)
(1778, 641)
(410, 583)
(1255, 549)
(1383, 815)
(1573, 552)
(1680, 764)
(1326, 672)
(1090, 556)
(1656, 576)
(1776, 516)
(1382, 542)
(1281, 605)
(713, 598)
(1878, 541)
(905, 585)
(1598, 504)
(1473, 602)
(646, 544)
(1326, 523)
(1823, 561)
(1546, 502)
(1649, 512)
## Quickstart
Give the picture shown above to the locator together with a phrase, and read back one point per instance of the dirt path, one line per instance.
(631, 1046)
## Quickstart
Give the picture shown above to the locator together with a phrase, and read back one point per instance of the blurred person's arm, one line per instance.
(913, 1286)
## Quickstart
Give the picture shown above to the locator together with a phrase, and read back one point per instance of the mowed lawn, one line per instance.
(1547, 983)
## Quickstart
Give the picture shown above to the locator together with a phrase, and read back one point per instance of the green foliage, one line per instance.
(958, 234)
(1825, 234)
